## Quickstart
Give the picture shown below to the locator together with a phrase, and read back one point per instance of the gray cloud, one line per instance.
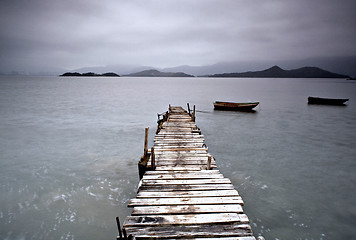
(43, 35)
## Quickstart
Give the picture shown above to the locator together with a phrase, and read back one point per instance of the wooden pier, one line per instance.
(181, 193)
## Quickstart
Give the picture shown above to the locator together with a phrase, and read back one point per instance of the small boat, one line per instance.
(218, 105)
(327, 101)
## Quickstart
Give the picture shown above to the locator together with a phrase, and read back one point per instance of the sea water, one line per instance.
(69, 149)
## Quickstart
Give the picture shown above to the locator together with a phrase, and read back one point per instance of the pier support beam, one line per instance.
(146, 142)
(119, 228)
(153, 162)
(142, 164)
(193, 114)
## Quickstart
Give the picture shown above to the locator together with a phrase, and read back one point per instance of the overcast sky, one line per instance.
(69, 34)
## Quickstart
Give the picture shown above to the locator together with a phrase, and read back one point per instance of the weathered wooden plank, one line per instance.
(183, 125)
(189, 219)
(178, 141)
(187, 209)
(190, 231)
(187, 182)
(225, 238)
(174, 167)
(182, 154)
(203, 172)
(182, 149)
(187, 157)
(202, 187)
(182, 162)
(169, 139)
(179, 137)
(185, 136)
(169, 168)
(168, 136)
(179, 176)
(188, 160)
(184, 157)
(179, 115)
(180, 120)
(177, 131)
(178, 128)
(184, 201)
(198, 166)
(170, 194)
(180, 145)
(170, 123)
(184, 131)
(187, 143)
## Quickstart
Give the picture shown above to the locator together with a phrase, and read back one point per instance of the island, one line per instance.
(277, 72)
(156, 73)
(89, 74)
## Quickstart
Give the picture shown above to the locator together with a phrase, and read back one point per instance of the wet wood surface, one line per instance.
(185, 196)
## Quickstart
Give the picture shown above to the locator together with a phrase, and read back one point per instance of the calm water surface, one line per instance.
(69, 149)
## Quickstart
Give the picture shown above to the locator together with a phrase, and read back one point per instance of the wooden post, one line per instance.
(146, 142)
(153, 160)
(193, 114)
(188, 108)
(118, 226)
(125, 234)
(169, 108)
(209, 162)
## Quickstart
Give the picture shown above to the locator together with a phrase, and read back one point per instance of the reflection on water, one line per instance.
(70, 146)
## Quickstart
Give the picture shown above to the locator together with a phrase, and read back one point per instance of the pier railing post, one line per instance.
(193, 114)
(188, 108)
(153, 160)
(146, 142)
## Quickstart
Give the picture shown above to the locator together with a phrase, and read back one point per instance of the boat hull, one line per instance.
(327, 101)
(230, 106)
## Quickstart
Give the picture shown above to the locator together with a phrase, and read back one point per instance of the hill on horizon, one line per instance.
(156, 73)
(277, 72)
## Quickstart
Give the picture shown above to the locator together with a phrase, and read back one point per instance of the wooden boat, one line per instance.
(327, 101)
(218, 105)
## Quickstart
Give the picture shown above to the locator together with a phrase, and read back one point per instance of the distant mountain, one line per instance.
(277, 72)
(156, 73)
(89, 74)
(342, 65)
